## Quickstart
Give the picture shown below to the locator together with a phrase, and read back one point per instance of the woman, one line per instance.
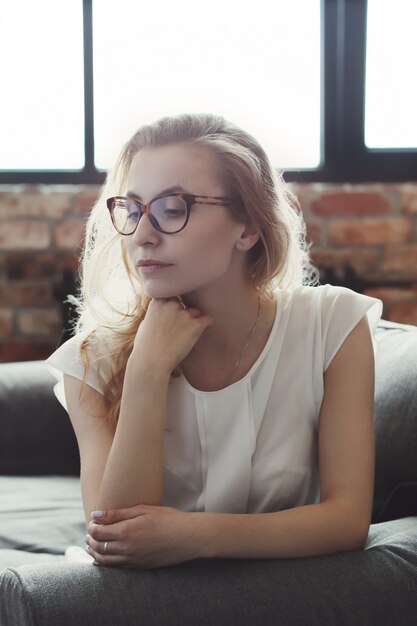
(223, 405)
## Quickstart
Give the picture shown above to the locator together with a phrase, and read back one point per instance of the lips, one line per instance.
(151, 263)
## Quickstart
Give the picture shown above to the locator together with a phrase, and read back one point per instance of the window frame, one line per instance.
(345, 155)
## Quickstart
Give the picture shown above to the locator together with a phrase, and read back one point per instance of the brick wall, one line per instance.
(371, 228)
(41, 234)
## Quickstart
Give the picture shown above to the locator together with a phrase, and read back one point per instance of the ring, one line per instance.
(181, 302)
(106, 550)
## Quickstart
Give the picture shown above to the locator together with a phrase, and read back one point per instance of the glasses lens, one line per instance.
(169, 213)
(125, 215)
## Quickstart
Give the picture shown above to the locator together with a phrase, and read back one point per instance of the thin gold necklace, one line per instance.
(252, 332)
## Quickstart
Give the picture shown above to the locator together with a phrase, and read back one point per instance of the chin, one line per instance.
(160, 292)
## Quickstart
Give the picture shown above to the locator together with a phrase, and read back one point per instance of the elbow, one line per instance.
(357, 544)
(361, 539)
(358, 536)
(352, 527)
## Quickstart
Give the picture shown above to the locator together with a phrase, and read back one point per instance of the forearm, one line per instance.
(309, 530)
(134, 469)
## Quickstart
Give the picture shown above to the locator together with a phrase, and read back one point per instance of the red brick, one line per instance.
(401, 259)
(86, 199)
(393, 294)
(8, 204)
(12, 350)
(370, 231)
(35, 202)
(22, 265)
(69, 234)
(24, 235)
(314, 232)
(6, 322)
(404, 312)
(351, 203)
(39, 322)
(361, 260)
(21, 294)
(409, 199)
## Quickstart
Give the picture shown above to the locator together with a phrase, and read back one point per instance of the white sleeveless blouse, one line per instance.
(253, 446)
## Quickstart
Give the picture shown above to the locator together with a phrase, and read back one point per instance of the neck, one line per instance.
(234, 312)
(227, 350)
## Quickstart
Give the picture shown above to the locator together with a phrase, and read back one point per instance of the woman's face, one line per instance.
(211, 248)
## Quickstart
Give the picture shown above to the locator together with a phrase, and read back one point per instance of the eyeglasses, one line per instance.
(168, 213)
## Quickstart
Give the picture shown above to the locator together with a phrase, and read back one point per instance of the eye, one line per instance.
(132, 215)
(170, 207)
(131, 209)
(174, 212)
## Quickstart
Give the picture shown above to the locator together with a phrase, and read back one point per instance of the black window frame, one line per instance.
(345, 156)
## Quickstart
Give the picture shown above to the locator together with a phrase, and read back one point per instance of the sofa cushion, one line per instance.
(40, 516)
(396, 422)
(373, 587)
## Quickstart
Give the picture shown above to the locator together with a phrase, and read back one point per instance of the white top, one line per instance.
(253, 446)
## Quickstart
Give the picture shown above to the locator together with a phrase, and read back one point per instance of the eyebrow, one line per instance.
(173, 189)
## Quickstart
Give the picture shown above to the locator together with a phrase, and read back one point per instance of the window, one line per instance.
(309, 100)
(258, 65)
(42, 101)
(391, 74)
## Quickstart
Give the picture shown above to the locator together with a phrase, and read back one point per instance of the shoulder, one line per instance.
(68, 355)
(327, 301)
(325, 315)
(92, 362)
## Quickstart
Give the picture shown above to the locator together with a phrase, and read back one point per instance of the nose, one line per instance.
(145, 233)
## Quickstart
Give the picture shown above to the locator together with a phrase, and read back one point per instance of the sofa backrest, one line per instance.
(396, 422)
(36, 436)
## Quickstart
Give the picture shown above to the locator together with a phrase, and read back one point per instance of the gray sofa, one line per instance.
(41, 514)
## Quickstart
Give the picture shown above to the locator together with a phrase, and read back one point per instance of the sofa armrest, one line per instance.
(373, 587)
(36, 436)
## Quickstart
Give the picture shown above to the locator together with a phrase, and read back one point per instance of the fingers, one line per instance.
(104, 548)
(118, 515)
(167, 334)
(180, 305)
(103, 533)
(108, 552)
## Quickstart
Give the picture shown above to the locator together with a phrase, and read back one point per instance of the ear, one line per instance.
(248, 238)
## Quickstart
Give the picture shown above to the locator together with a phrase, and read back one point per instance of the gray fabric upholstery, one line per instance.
(39, 517)
(30, 414)
(396, 421)
(354, 589)
(41, 514)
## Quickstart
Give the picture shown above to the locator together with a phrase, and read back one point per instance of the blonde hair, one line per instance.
(108, 307)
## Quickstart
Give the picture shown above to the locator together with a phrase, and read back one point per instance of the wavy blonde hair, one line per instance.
(109, 309)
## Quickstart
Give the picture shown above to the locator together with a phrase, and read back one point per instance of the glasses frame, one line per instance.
(188, 198)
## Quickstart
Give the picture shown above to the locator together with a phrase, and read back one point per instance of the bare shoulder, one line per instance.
(355, 352)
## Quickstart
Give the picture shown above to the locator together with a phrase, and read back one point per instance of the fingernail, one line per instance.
(96, 563)
(88, 549)
(97, 514)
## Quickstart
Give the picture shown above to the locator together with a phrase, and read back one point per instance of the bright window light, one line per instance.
(391, 74)
(257, 64)
(41, 85)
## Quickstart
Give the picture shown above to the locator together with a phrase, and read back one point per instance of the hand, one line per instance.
(168, 333)
(143, 537)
